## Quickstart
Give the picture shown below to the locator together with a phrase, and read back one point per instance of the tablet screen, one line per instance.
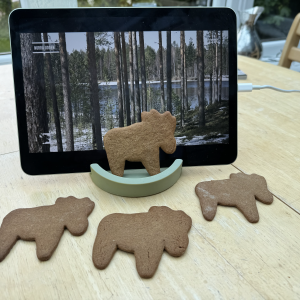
(79, 73)
(185, 72)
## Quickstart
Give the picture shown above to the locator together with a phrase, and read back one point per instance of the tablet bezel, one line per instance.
(121, 19)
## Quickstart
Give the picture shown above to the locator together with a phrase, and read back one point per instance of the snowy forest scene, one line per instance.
(79, 85)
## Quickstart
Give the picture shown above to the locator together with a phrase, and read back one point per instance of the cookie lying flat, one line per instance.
(240, 190)
(140, 142)
(146, 235)
(45, 225)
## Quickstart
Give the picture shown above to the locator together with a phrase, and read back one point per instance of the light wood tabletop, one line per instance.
(228, 258)
(269, 129)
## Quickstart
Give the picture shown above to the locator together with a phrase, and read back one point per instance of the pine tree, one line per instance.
(136, 77)
(54, 97)
(66, 92)
(94, 90)
(182, 77)
(118, 70)
(220, 69)
(127, 100)
(200, 78)
(186, 105)
(169, 73)
(34, 93)
(161, 74)
(131, 78)
(217, 66)
(143, 70)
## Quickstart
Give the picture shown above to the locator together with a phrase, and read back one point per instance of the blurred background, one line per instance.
(272, 26)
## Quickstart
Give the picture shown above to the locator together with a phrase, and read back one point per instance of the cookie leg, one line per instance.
(77, 228)
(7, 241)
(249, 210)
(209, 208)
(117, 166)
(45, 246)
(147, 260)
(103, 252)
(151, 163)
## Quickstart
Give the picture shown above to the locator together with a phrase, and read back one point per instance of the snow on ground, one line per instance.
(81, 143)
(225, 78)
(199, 140)
(180, 140)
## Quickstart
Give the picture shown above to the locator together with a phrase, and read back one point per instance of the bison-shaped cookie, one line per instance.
(240, 190)
(45, 225)
(146, 235)
(140, 142)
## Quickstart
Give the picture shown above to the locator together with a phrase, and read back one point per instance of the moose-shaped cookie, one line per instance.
(146, 235)
(45, 225)
(140, 142)
(241, 191)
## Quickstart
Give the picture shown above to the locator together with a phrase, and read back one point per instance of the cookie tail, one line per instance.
(7, 241)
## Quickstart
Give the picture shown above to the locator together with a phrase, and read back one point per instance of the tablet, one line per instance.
(81, 72)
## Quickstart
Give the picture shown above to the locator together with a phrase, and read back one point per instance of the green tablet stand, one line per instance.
(136, 183)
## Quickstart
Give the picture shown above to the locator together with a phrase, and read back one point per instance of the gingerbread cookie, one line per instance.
(45, 225)
(146, 235)
(240, 190)
(140, 142)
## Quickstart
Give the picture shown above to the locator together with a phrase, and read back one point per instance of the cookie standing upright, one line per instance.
(45, 225)
(146, 235)
(140, 142)
(241, 191)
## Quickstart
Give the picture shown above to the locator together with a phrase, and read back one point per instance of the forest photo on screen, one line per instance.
(79, 85)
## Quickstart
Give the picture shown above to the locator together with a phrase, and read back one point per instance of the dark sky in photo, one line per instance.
(77, 40)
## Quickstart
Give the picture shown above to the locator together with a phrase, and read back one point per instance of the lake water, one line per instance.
(111, 91)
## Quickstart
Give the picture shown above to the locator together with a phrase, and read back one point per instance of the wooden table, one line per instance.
(228, 258)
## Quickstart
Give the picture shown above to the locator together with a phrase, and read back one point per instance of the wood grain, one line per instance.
(8, 120)
(228, 258)
(268, 129)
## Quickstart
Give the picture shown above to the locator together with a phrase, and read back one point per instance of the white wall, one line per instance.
(236, 5)
(48, 3)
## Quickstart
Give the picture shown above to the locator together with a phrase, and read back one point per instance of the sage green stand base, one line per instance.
(136, 183)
